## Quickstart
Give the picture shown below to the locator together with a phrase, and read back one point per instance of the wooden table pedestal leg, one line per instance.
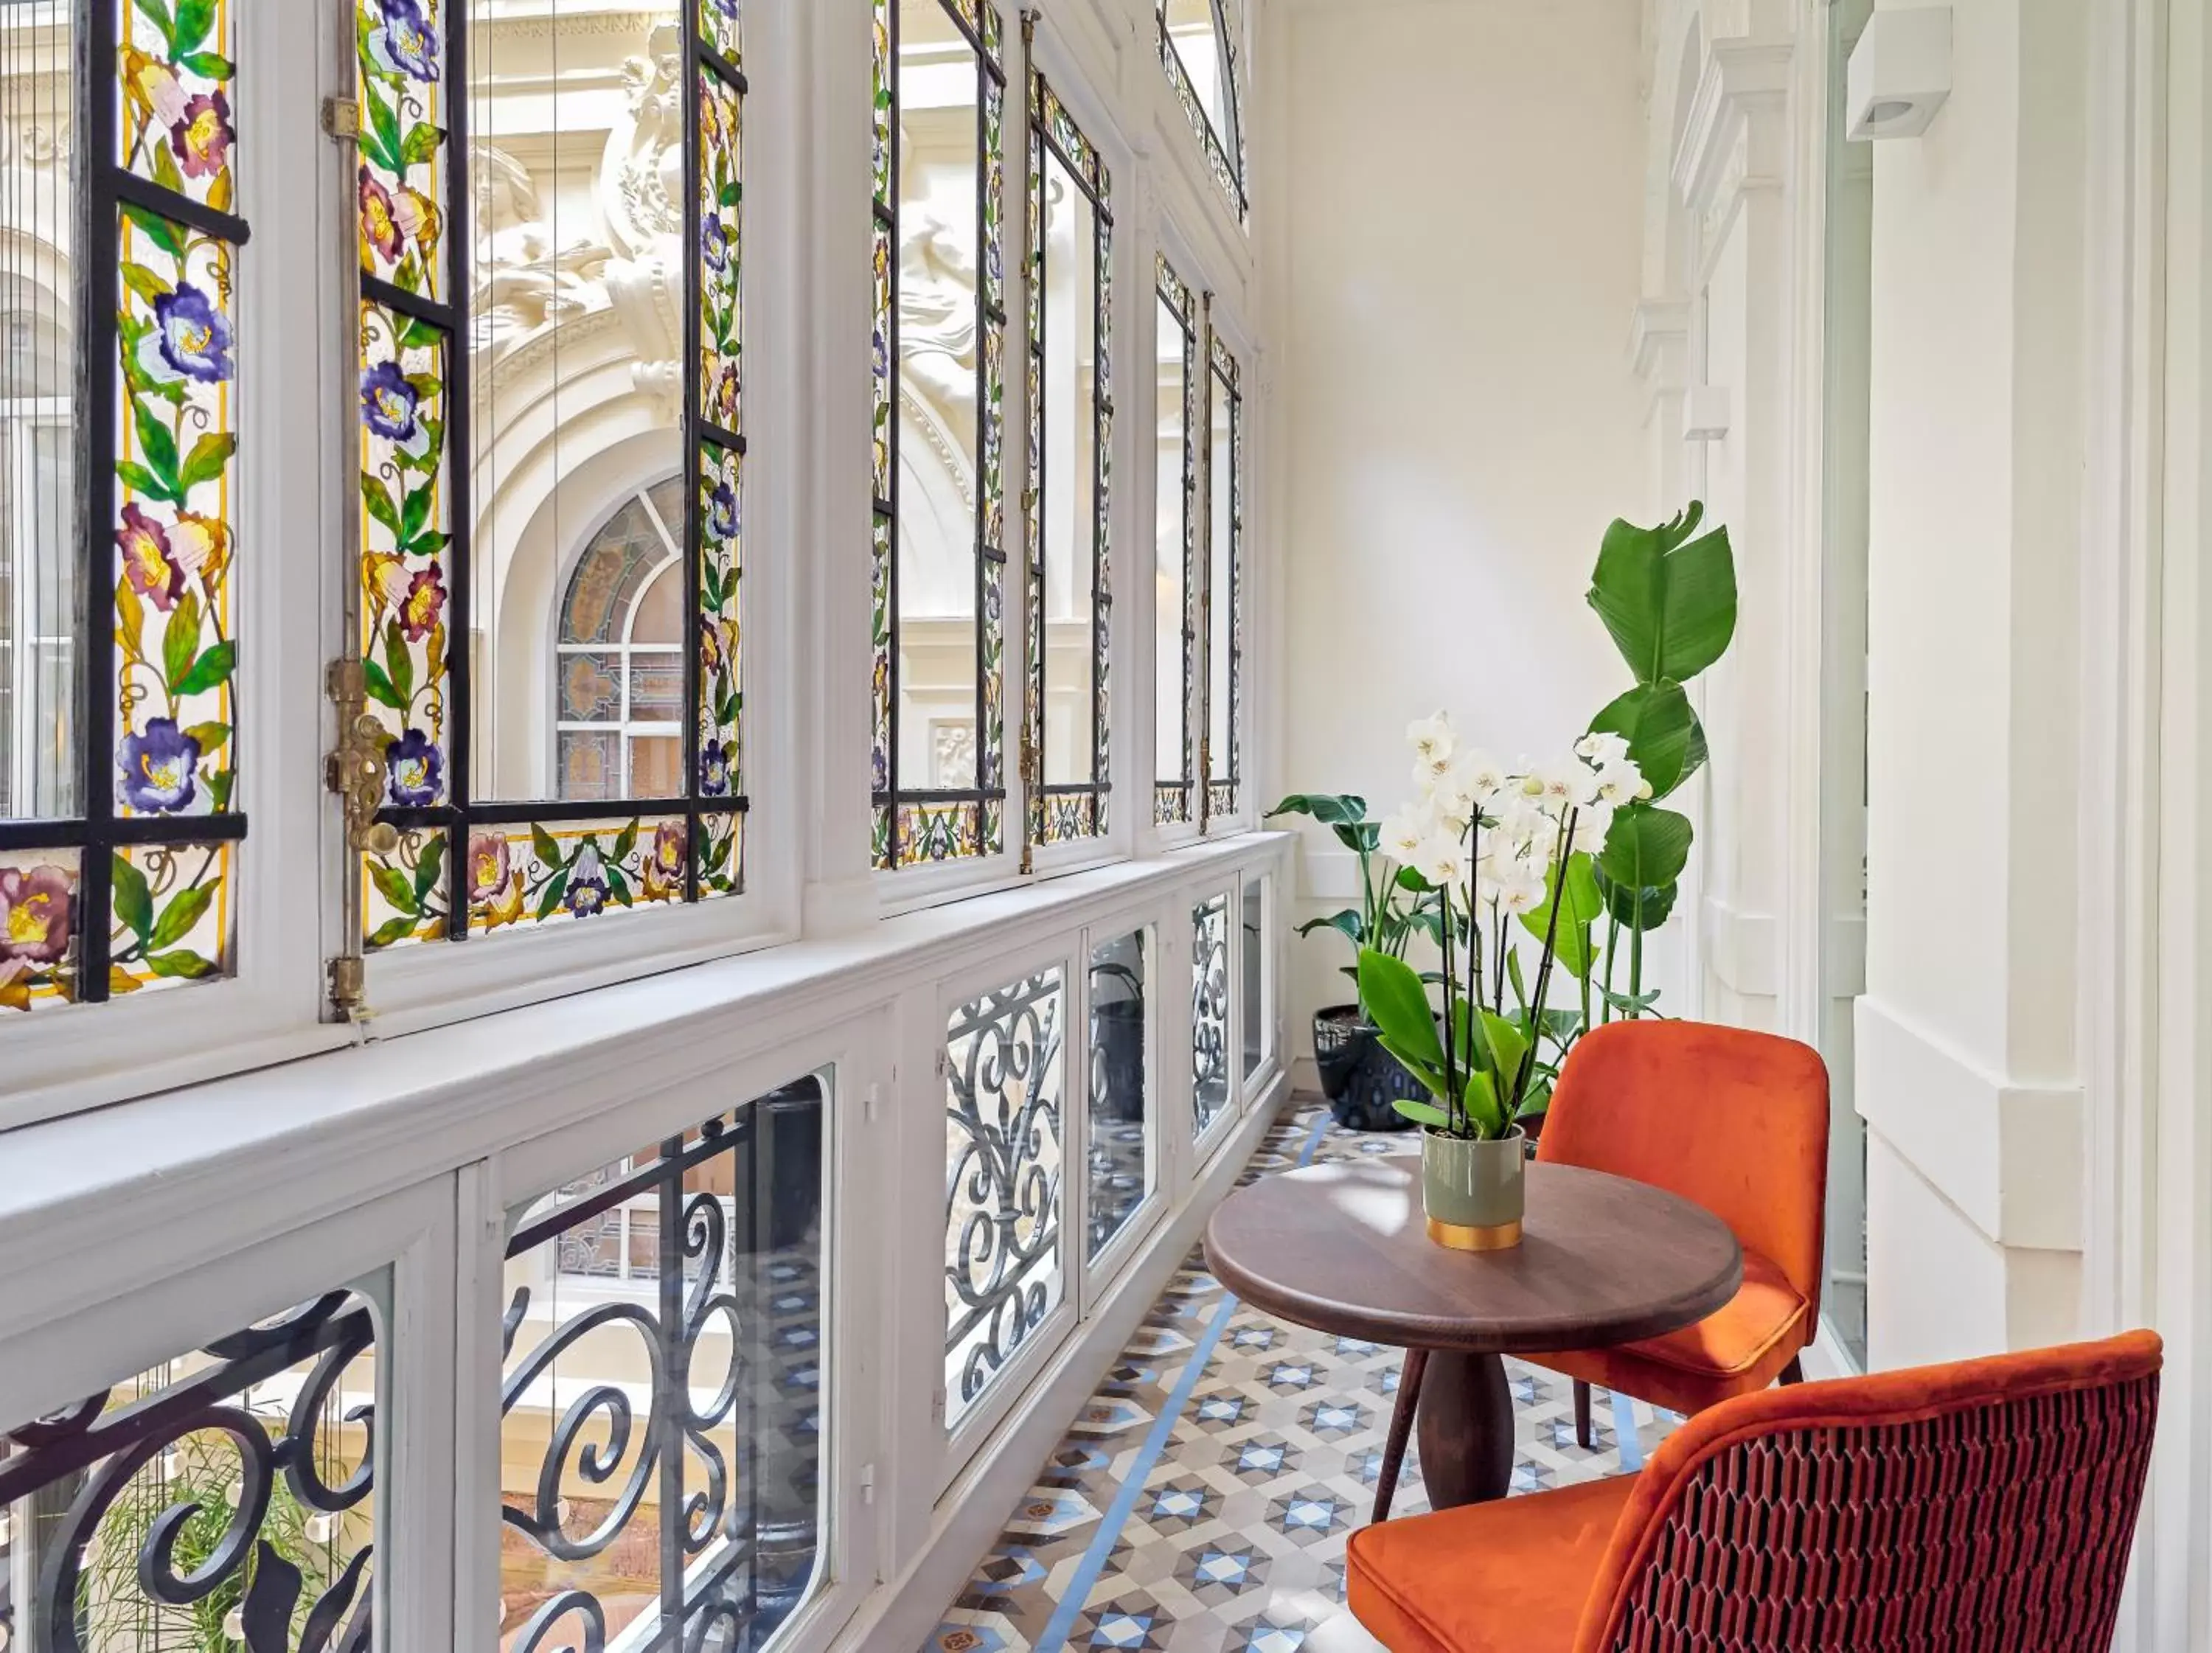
(1401, 1425)
(1465, 1429)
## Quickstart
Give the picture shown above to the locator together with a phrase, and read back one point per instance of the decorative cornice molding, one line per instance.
(1735, 135)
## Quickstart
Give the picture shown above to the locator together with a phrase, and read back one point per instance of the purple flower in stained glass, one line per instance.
(714, 241)
(36, 906)
(727, 9)
(405, 44)
(587, 884)
(714, 770)
(150, 566)
(201, 137)
(158, 766)
(722, 513)
(195, 336)
(388, 402)
(414, 770)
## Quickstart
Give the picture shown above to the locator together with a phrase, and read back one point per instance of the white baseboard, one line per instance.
(972, 1514)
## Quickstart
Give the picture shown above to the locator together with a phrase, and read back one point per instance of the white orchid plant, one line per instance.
(1506, 852)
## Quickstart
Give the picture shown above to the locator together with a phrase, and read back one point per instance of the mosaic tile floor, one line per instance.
(1200, 1503)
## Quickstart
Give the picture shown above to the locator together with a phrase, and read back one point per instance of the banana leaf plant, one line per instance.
(1393, 905)
(1668, 598)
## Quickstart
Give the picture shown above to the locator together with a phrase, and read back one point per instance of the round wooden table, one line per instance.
(1343, 1247)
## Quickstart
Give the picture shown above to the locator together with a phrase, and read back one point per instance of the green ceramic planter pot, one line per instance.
(1474, 1193)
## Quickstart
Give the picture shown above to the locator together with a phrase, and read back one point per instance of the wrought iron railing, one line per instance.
(1003, 1182)
(211, 1506)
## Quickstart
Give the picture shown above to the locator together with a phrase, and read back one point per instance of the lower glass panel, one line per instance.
(1258, 1023)
(1209, 1008)
(701, 1257)
(1120, 1160)
(221, 1498)
(172, 919)
(1003, 1173)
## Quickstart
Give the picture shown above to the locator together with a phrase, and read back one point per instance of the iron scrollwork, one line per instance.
(1002, 1201)
(197, 1440)
(1209, 1048)
(733, 1211)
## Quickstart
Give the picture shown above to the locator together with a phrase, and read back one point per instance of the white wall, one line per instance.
(1458, 420)
(1968, 1072)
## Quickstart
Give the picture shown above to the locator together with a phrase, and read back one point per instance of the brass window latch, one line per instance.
(354, 770)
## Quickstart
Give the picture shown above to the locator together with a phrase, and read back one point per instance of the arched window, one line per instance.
(1202, 48)
(618, 691)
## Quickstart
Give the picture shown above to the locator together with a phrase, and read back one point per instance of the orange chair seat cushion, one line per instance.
(1739, 1348)
(1508, 1577)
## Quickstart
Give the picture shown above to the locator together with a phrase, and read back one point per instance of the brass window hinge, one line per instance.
(341, 119)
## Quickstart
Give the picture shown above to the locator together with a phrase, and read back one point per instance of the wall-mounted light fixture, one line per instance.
(1705, 413)
(1900, 73)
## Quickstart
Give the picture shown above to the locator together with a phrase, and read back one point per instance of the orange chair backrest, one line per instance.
(1986, 1506)
(1736, 1121)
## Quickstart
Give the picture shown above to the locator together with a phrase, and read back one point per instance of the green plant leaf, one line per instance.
(624, 843)
(384, 127)
(1507, 1042)
(210, 735)
(1621, 901)
(211, 670)
(546, 846)
(1480, 1101)
(1669, 601)
(1655, 720)
(1329, 809)
(1647, 847)
(186, 909)
(211, 65)
(1346, 923)
(180, 640)
(555, 888)
(1430, 1079)
(1537, 1101)
(1422, 1113)
(1391, 993)
(133, 897)
(129, 621)
(156, 12)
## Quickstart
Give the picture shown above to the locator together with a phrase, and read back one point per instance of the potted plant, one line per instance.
(1358, 1078)
(1498, 850)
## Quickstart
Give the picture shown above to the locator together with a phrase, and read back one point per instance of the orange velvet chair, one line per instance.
(1982, 1507)
(1738, 1123)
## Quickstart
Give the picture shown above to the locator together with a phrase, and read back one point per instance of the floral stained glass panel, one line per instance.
(400, 51)
(176, 445)
(174, 70)
(39, 942)
(721, 697)
(406, 533)
(172, 918)
(721, 252)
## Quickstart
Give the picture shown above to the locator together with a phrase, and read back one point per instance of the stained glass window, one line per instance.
(939, 551)
(1202, 49)
(1071, 401)
(120, 283)
(552, 449)
(1175, 574)
(1225, 591)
